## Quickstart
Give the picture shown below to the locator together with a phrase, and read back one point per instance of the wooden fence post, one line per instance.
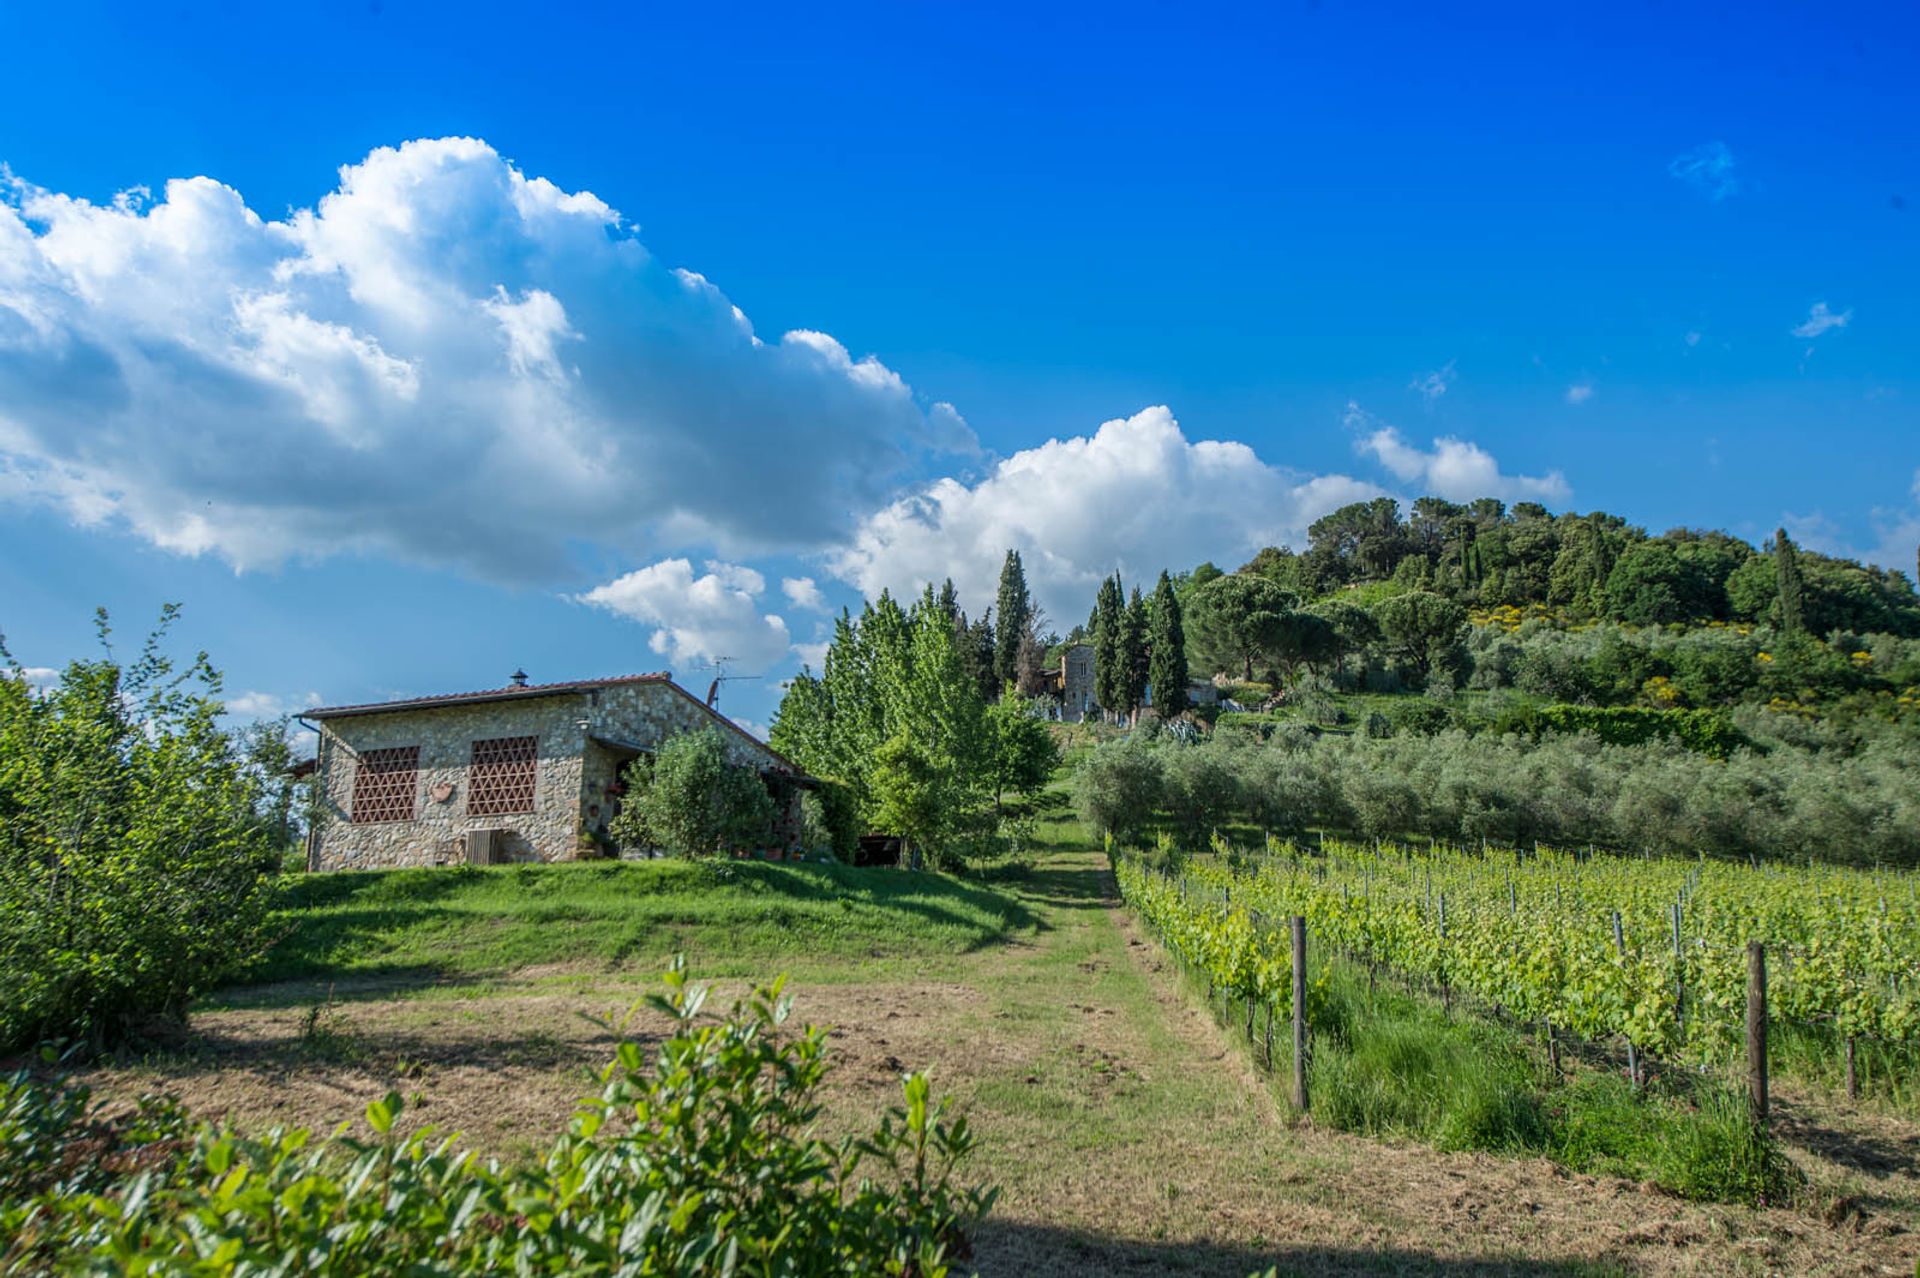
(1633, 1056)
(1300, 1012)
(1757, 1032)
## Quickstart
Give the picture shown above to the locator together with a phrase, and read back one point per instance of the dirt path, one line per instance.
(1128, 1132)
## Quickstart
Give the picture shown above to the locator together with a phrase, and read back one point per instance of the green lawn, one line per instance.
(821, 922)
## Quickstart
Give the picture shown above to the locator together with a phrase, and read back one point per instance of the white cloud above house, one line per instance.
(1136, 496)
(699, 617)
(444, 361)
(269, 705)
(1456, 469)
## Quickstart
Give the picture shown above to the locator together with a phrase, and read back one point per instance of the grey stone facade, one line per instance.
(586, 732)
(1076, 683)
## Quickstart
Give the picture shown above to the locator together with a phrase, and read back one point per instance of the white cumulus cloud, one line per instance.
(444, 360)
(698, 617)
(1136, 496)
(268, 705)
(802, 592)
(1820, 319)
(1579, 392)
(1456, 469)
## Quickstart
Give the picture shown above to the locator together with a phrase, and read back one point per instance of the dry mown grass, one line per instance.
(1131, 1135)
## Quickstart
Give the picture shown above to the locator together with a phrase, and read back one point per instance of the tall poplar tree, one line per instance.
(1015, 611)
(1167, 652)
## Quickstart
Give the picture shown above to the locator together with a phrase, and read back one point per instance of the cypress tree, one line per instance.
(1167, 652)
(1786, 567)
(1134, 652)
(1109, 638)
(1015, 607)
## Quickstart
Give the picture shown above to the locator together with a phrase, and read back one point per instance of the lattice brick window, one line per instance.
(384, 784)
(501, 778)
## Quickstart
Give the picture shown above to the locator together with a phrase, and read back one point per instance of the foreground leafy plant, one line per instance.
(705, 1163)
(135, 866)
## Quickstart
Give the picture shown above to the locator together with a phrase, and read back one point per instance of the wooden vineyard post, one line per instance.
(1633, 1055)
(1300, 1012)
(1757, 1032)
(1853, 1082)
(1679, 976)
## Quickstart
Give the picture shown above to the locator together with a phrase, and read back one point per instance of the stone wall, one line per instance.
(1076, 682)
(574, 781)
(438, 833)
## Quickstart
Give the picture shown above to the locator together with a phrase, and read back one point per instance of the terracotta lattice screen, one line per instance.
(502, 775)
(384, 784)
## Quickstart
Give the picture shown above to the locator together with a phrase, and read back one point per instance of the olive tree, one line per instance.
(690, 800)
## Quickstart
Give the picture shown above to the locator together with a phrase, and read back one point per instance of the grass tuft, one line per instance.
(1387, 1063)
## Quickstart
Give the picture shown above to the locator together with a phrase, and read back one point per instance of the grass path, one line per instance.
(1129, 1133)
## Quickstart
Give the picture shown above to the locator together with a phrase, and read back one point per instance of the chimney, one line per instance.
(519, 678)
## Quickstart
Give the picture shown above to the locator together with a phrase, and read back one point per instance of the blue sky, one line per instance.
(1560, 254)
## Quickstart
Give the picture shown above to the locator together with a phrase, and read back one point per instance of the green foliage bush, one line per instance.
(135, 867)
(692, 801)
(704, 1164)
(1703, 731)
(1117, 788)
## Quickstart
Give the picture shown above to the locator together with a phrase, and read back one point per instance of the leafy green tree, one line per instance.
(1421, 627)
(975, 640)
(1363, 540)
(1014, 607)
(1657, 583)
(1238, 620)
(692, 801)
(893, 673)
(1280, 566)
(1353, 627)
(1118, 787)
(1167, 652)
(909, 795)
(135, 866)
(1305, 640)
(1022, 754)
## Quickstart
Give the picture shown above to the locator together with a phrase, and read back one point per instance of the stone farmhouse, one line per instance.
(528, 772)
(1072, 686)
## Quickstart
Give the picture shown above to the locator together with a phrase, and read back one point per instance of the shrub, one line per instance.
(703, 1164)
(690, 800)
(134, 866)
(1117, 788)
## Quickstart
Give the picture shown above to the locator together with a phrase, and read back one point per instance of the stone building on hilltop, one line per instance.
(519, 773)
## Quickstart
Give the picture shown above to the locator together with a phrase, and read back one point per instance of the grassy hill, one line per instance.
(744, 919)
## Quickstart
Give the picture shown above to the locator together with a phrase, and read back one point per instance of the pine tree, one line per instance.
(1015, 607)
(1167, 652)
(1786, 567)
(1134, 652)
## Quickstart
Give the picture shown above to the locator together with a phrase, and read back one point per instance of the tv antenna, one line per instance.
(719, 666)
